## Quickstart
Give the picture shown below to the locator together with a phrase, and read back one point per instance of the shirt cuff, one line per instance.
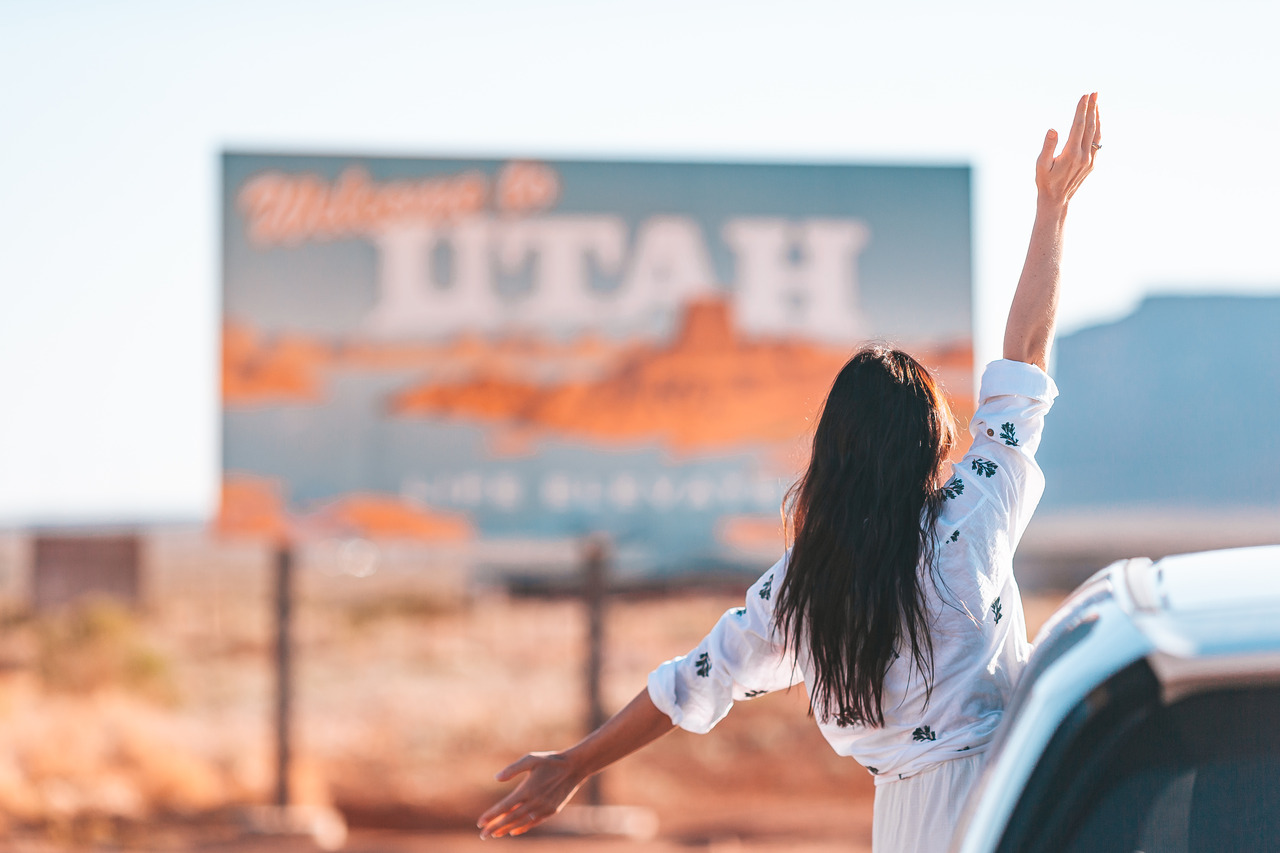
(1005, 377)
(662, 691)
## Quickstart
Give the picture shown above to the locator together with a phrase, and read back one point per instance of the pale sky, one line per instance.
(112, 116)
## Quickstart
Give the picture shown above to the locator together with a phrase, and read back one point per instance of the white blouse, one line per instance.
(976, 622)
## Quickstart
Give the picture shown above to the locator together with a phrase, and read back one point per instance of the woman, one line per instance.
(896, 605)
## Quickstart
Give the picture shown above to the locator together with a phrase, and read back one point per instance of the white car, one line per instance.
(1148, 718)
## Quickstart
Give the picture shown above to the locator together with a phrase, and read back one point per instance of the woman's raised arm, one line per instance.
(1029, 330)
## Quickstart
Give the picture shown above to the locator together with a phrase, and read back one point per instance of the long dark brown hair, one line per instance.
(861, 520)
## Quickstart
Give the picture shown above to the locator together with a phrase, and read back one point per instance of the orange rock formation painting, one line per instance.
(253, 508)
(707, 389)
(764, 533)
(373, 516)
(286, 370)
(292, 368)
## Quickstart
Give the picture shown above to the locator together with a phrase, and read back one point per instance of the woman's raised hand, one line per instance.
(1058, 178)
(552, 780)
(1029, 330)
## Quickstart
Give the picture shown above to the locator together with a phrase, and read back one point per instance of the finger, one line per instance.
(1045, 161)
(501, 824)
(1090, 124)
(516, 768)
(1076, 135)
(516, 823)
(1097, 125)
(511, 802)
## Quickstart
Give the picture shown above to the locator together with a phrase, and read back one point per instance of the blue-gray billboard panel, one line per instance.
(486, 351)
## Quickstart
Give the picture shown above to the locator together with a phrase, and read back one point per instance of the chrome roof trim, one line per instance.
(1143, 585)
(1209, 581)
(1182, 676)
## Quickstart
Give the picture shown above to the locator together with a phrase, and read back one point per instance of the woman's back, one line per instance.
(971, 602)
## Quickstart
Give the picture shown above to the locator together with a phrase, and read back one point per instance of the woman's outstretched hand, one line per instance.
(552, 780)
(1058, 178)
(555, 776)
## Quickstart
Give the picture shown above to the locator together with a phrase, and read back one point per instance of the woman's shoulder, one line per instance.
(772, 576)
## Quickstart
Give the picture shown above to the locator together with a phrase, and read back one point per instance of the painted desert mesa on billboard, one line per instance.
(487, 351)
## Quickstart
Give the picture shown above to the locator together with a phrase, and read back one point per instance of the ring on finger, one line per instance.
(1096, 145)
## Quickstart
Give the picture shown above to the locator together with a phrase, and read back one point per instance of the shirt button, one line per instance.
(991, 432)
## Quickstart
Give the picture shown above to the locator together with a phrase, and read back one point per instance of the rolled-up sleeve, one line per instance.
(741, 658)
(1006, 429)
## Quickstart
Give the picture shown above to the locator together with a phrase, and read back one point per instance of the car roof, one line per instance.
(1212, 618)
(1182, 613)
(1200, 621)
(1222, 581)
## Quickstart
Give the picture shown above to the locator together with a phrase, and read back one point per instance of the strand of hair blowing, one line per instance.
(862, 518)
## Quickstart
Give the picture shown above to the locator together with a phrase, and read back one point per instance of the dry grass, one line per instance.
(406, 706)
(99, 644)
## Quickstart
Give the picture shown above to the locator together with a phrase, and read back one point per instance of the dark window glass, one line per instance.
(1200, 775)
(1125, 773)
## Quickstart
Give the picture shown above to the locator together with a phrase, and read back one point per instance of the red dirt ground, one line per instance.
(145, 736)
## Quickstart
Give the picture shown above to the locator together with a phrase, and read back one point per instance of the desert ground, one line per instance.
(150, 728)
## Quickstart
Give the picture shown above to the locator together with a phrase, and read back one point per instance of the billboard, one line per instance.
(503, 353)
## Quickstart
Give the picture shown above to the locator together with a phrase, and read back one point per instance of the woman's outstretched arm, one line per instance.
(555, 776)
(1029, 330)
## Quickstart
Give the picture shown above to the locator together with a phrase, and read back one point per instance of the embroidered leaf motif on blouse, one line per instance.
(984, 467)
(924, 733)
(955, 486)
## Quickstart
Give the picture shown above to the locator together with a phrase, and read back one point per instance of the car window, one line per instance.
(1126, 773)
(1200, 775)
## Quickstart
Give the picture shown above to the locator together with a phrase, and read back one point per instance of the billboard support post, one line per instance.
(324, 824)
(594, 582)
(283, 662)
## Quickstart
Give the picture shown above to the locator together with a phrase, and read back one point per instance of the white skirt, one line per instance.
(919, 814)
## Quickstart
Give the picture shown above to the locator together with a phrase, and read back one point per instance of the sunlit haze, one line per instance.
(115, 116)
